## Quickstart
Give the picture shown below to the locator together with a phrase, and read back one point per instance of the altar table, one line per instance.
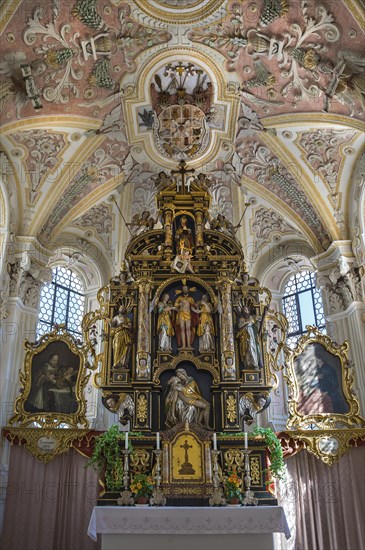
(187, 528)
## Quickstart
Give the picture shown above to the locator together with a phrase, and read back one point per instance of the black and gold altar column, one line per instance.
(228, 359)
(199, 225)
(143, 363)
(168, 217)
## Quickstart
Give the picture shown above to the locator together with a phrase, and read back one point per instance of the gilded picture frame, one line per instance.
(320, 383)
(52, 383)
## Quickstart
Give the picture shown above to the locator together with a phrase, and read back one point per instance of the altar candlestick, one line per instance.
(158, 441)
(126, 441)
(246, 441)
(214, 441)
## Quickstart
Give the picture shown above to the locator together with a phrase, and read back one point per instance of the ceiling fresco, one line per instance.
(265, 97)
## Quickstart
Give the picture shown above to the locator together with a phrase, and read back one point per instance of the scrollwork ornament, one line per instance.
(231, 405)
(328, 445)
(45, 444)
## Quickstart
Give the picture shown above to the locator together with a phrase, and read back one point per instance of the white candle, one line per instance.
(126, 441)
(246, 440)
(214, 441)
(158, 441)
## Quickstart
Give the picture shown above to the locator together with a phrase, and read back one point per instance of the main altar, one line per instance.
(185, 347)
(184, 350)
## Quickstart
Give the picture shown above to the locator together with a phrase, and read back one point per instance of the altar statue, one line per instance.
(249, 347)
(141, 222)
(122, 338)
(186, 319)
(184, 238)
(165, 327)
(184, 402)
(120, 404)
(250, 405)
(205, 329)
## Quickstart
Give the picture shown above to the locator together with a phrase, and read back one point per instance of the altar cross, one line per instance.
(186, 447)
(183, 172)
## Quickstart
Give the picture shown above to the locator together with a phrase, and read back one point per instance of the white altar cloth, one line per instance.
(190, 521)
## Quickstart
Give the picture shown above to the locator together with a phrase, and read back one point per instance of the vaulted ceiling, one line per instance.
(266, 97)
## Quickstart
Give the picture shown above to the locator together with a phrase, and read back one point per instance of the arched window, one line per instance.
(302, 305)
(62, 301)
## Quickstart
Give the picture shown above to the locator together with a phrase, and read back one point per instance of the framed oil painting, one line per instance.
(52, 383)
(320, 384)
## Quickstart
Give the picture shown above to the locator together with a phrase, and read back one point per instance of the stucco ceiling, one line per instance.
(264, 96)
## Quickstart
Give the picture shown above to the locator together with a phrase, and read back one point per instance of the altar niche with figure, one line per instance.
(186, 319)
(185, 334)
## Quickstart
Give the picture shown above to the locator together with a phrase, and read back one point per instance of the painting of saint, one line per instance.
(319, 380)
(54, 373)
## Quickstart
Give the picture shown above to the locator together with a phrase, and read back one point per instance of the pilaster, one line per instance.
(340, 279)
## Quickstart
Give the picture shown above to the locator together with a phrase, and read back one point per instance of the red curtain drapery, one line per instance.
(48, 506)
(325, 504)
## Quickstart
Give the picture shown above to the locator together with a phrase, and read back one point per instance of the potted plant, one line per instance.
(141, 486)
(232, 489)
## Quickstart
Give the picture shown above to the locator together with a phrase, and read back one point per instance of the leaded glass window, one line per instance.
(62, 301)
(302, 305)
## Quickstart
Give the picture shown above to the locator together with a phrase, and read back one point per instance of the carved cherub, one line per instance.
(163, 181)
(251, 405)
(142, 222)
(120, 403)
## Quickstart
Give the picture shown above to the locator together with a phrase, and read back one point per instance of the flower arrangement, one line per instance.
(142, 485)
(232, 486)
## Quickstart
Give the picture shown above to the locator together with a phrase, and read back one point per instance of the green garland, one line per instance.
(277, 466)
(107, 456)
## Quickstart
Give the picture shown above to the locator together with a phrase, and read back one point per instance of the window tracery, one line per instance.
(62, 302)
(302, 305)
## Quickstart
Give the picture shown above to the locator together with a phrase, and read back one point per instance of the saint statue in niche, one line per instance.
(184, 237)
(184, 402)
(205, 329)
(165, 327)
(247, 336)
(186, 319)
(122, 338)
(184, 247)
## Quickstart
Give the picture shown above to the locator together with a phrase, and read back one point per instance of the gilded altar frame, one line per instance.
(52, 395)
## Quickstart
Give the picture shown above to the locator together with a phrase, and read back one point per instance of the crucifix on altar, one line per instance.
(182, 184)
(187, 467)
